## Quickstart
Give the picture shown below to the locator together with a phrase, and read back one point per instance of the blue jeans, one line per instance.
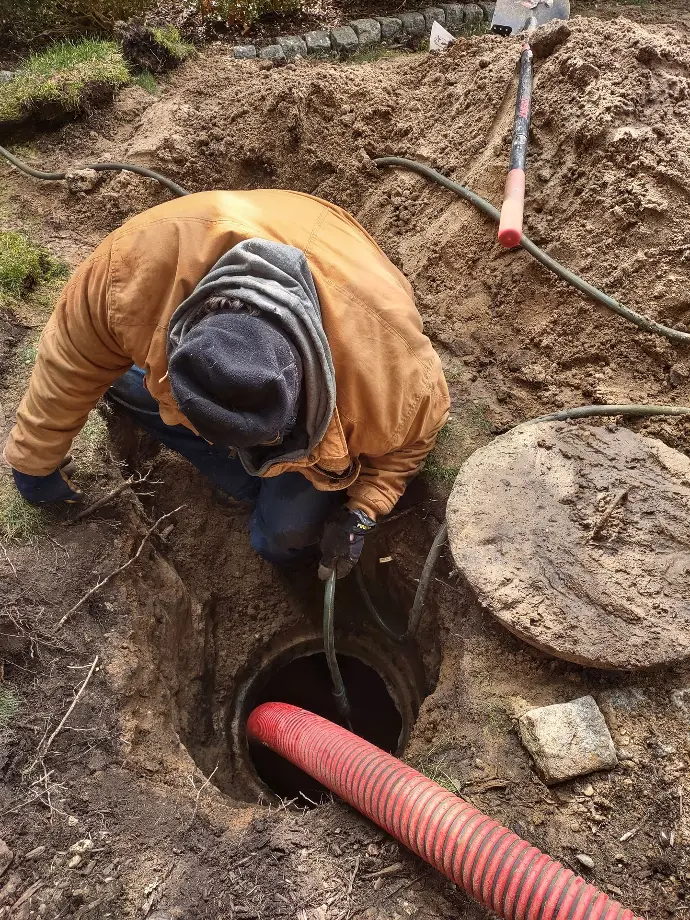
(289, 513)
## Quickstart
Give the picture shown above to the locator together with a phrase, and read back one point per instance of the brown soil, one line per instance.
(609, 195)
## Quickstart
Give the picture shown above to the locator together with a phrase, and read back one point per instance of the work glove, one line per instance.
(342, 542)
(55, 487)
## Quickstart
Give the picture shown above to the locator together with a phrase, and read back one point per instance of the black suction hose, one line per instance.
(643, 322)
(98, 167)
(339, 693)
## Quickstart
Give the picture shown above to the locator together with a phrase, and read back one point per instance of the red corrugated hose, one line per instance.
(494, 865)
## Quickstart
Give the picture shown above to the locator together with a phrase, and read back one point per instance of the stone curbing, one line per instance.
(363, 34)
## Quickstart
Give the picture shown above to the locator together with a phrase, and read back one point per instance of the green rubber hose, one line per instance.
(643, 322)
(97, 167)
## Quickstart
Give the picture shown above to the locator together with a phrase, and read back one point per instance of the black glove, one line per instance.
(55, 487)
(342, 542)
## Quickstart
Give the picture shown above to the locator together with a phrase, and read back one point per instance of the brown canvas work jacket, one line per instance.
(391, 396)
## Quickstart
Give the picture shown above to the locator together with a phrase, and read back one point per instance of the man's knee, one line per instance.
(282, 542)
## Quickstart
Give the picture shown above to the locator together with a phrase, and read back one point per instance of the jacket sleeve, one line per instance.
(382, 480)
(78, 358)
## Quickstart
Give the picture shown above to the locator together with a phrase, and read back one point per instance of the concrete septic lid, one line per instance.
(577, 538)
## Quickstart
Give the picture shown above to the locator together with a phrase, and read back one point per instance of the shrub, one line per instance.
(31, 21)
(234, 12)
(63, 79)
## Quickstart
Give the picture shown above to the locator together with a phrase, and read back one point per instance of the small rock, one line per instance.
(474, 15)
(6, 76)
(368, 32)
(74, 861)
(391, 27)
(244, 52)
(272, 53)
(97, 762)
(678, 375)
(82, 846)
(35, 853)
(413, 24)
(588, 791)
(455, 17)
(72, 821)
(667, 839)
(681, 700)
(585, 860)
(292, 45)
(434, 14)
(318, 42)
(6, 857)
(344, 40)
(567, 739)
(81, 180)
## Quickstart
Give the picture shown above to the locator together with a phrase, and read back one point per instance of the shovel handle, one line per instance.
(512, 212)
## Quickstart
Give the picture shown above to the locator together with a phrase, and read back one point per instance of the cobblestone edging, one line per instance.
(363, 34)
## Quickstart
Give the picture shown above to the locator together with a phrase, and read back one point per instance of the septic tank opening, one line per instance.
(305, 682)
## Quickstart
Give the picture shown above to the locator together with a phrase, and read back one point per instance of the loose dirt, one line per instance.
(609, 195)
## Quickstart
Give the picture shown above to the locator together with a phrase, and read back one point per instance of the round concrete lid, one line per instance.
(577, 538)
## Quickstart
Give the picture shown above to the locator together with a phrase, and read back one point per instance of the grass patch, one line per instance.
(468, 428)
(89, 445)
(24, 266)
(147, 81)
(169, 37)
(20, 522)
(63, 79)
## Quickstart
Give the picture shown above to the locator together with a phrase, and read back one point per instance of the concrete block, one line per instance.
(455, 17)
(413, 24)
(244, 52)
(434, 14)
(318, 42)
(567, 740)
(391, 28)
(272, 53)
(344, 40)
(489, 7)
(292, 45)
(474, 15)
(368, 32)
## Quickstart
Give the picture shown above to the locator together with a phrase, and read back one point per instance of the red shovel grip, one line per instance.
(512, 212)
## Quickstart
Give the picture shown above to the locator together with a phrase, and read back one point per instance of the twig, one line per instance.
(601, 523)
(388, 870)
(352, 878)
(104, 581)
(9, 561)
(198, 797)
(44, 746)
(107, 498)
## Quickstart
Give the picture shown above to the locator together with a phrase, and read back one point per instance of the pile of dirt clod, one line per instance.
(609, 194)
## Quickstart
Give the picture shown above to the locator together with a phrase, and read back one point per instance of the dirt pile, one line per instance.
(609, 194)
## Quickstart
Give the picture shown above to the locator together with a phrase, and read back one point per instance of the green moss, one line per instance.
(169, 38)
(20, 522)
(24, 266)
(9, 706)
(147, 81)
(60, 78)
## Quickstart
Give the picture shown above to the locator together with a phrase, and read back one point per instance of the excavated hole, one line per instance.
(306, 682)
(386, 685)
